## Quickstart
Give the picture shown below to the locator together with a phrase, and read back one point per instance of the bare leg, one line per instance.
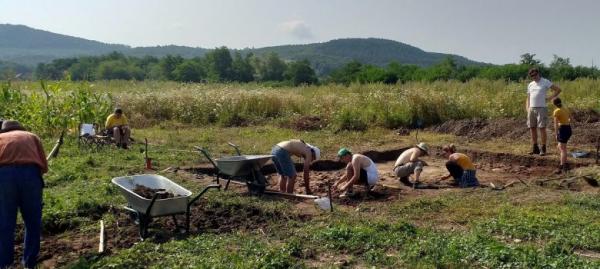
(291, 184)
(282, 183)
(543, 135)
(117, 136)
(418, 175)
(533, 135)
(126, 134)
(562, 147)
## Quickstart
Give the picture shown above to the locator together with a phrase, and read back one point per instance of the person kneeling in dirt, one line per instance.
(22, 164)
(360, 169)
(282, 153)
(460, 166)
(117, 126)
(408, 163)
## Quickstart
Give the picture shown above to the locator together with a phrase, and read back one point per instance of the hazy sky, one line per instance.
(490, 31)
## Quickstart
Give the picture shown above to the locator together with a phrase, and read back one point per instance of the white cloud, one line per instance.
(297, 28)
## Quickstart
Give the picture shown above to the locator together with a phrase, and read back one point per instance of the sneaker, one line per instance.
(347, 194)
(535, 150)
(543, 151)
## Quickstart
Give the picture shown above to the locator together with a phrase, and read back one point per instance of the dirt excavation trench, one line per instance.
(499, 169)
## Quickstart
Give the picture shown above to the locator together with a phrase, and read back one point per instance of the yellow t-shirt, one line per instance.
(562, 114)
(112, 121)
(464, 161)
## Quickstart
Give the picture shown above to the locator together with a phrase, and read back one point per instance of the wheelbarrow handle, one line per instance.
(236, 147)
(212, 186)
(156, 194)
(205, 153)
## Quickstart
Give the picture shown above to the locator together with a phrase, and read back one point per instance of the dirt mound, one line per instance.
(483, 128)
(308, 123)
(586, 128)
(585, 116)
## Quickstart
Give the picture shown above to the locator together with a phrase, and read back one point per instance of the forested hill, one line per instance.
(380, 52)
(27, 46)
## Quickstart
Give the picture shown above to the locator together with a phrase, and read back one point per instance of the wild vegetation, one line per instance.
(335, 107)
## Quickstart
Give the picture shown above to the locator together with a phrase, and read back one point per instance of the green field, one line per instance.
(521, 227)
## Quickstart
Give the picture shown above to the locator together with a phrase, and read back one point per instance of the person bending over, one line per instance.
(360, 169)
(460, 166)
(282, 158)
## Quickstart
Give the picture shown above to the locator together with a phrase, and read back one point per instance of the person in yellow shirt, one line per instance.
(562, 127)
(117, 126)
(460, 166)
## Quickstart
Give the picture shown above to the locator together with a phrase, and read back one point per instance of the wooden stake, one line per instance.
(101, 245)
(306, 196)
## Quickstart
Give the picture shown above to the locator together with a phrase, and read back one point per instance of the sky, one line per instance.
(490, 31)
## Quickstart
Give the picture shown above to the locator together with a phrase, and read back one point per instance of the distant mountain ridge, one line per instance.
(27, 46)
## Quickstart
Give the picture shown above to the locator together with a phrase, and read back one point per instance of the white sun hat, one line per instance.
(316, 150)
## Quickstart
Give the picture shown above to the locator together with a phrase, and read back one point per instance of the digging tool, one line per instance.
(329, 195)
(56, 148)
(597, 157)
(148, 160)
(419, 125)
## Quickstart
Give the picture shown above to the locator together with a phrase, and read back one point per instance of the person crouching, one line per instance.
(360, 169)
(460, 166)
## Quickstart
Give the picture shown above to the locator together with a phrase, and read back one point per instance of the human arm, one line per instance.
(344, 176)
(42, 156)
(555, 91)
(355, 174)
(527, 104)
(108, 123)
(556, 126)
(306, 175)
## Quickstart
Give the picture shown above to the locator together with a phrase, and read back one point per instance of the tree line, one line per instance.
(218, 65)
(559, 69)
(221, 65)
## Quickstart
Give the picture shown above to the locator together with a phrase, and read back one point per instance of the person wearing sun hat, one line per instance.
(282, 158)
(22, 163)
(408, 163)
(360, 169)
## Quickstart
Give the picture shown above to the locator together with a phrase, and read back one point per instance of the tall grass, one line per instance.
(354, 107)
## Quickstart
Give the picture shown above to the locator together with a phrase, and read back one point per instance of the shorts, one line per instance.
(463, 178)
(564, 133)
(110, 131)
(283, 162)
(537, 117)
(408, 169)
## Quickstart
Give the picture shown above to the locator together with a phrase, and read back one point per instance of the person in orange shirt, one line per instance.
(460, 166)
(22, 164)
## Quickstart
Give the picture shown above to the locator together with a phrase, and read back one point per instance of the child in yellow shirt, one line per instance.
(562, 127)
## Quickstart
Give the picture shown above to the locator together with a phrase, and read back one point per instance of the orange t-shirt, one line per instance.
(21, 147)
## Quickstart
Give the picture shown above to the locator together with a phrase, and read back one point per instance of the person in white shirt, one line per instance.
(360, 169)
(536, 108)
